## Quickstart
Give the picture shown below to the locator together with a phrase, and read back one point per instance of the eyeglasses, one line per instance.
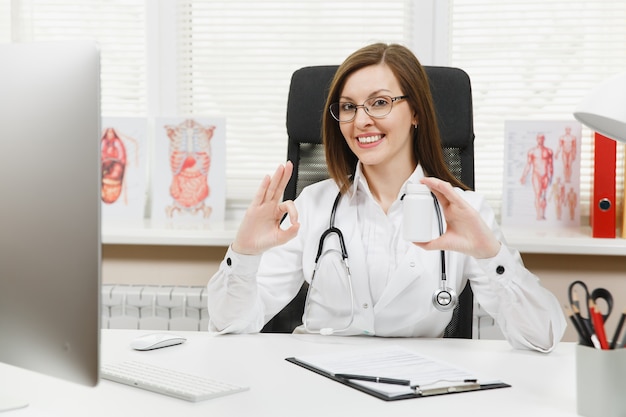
(376, 107)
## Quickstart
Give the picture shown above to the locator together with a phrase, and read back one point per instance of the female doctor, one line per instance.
(380, 134)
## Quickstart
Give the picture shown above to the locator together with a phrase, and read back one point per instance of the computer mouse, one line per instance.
(156, 341)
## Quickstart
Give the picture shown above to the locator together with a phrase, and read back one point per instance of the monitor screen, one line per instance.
(50, 251)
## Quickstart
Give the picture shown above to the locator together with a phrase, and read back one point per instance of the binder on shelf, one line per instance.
(394, 373)
(602, 212)
(623, 224)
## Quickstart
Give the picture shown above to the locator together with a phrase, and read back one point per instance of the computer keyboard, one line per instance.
(167, 381)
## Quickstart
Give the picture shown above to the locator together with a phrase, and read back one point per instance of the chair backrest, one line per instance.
(452, 96)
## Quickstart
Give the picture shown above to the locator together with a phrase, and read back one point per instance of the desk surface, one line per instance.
(542, 385)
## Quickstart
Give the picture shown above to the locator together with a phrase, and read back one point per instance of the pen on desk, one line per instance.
(598, 325)
(467, 385)
(368, 378)
(618, 330)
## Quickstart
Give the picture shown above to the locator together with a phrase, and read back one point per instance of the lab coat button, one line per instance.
(412, 264)
(365, 305)
(500, 270)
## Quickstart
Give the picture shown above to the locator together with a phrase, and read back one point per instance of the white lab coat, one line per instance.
(248, 291)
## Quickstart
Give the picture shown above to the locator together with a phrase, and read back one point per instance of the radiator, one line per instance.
(154, 307)
(484, 326)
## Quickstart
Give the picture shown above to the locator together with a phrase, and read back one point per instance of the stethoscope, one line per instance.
(444, 298)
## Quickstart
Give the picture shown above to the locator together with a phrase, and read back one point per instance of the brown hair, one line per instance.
(413, 81)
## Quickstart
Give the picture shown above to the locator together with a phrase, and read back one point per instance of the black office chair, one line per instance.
(452, 97)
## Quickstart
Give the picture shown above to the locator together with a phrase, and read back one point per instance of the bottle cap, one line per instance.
(416, 188)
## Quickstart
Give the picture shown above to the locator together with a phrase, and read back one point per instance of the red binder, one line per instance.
(603, 204)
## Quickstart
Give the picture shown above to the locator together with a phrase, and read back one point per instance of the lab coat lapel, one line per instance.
(410, 269)
(347, 221)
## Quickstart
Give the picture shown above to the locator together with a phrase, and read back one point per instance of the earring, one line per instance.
(415, 125)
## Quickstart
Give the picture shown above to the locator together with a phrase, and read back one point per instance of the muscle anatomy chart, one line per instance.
(541, 173)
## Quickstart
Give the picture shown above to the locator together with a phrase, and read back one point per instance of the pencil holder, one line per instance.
(600, 381)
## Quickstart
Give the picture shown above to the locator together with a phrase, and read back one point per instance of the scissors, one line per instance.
(598, 294)
(601, 297)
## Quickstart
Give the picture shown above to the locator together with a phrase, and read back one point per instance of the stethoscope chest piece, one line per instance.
(445, 299)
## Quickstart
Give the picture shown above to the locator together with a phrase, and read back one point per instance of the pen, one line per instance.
(580, 327)
(587, 328)
(618, 330)
(468, 385)
(598, 325)
(381, 380)
(585, 324)
(575, 301)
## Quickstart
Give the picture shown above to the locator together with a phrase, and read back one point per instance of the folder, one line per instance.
(425, 376)
(603, 204)
(623, 224)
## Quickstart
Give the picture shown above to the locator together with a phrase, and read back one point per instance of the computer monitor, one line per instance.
(50, 246)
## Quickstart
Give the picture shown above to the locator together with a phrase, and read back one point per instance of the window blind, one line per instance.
(534, 60)
(236, 58)
(231, 59)
(5, 21)
(119, 29)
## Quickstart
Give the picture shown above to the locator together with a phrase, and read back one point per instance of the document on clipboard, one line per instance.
(394, 373)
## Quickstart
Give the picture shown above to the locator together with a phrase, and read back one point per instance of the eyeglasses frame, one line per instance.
(357, 106)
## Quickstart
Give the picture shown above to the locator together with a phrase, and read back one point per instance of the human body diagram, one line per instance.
(567, 150)
(553, 175)
(540, 165)
(190, 161)
(558, 197)
(113, 149)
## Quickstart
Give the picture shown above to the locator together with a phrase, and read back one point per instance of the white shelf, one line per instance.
(218, 234)
(576, 241)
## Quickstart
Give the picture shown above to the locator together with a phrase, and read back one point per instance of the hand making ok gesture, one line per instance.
(260, 228)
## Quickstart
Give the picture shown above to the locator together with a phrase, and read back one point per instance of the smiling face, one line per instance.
(379, 143)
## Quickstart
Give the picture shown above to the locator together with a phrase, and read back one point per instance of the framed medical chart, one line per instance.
(188, 171)
(541, 173)
(123, 153)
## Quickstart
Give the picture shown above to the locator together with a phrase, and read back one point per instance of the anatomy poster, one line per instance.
(189, 171)
(124, 168)
(542, 174)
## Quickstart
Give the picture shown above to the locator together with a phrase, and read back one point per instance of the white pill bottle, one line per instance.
(418, 209)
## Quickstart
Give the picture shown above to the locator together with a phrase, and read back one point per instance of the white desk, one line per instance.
(542, 385)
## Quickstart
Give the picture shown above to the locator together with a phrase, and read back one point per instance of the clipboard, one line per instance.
(406, 392)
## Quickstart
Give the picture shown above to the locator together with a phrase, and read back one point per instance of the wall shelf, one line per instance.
(218, 234)
(575, 241)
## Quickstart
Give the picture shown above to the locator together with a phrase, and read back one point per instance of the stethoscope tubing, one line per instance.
(344, 260)
(444, 298)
